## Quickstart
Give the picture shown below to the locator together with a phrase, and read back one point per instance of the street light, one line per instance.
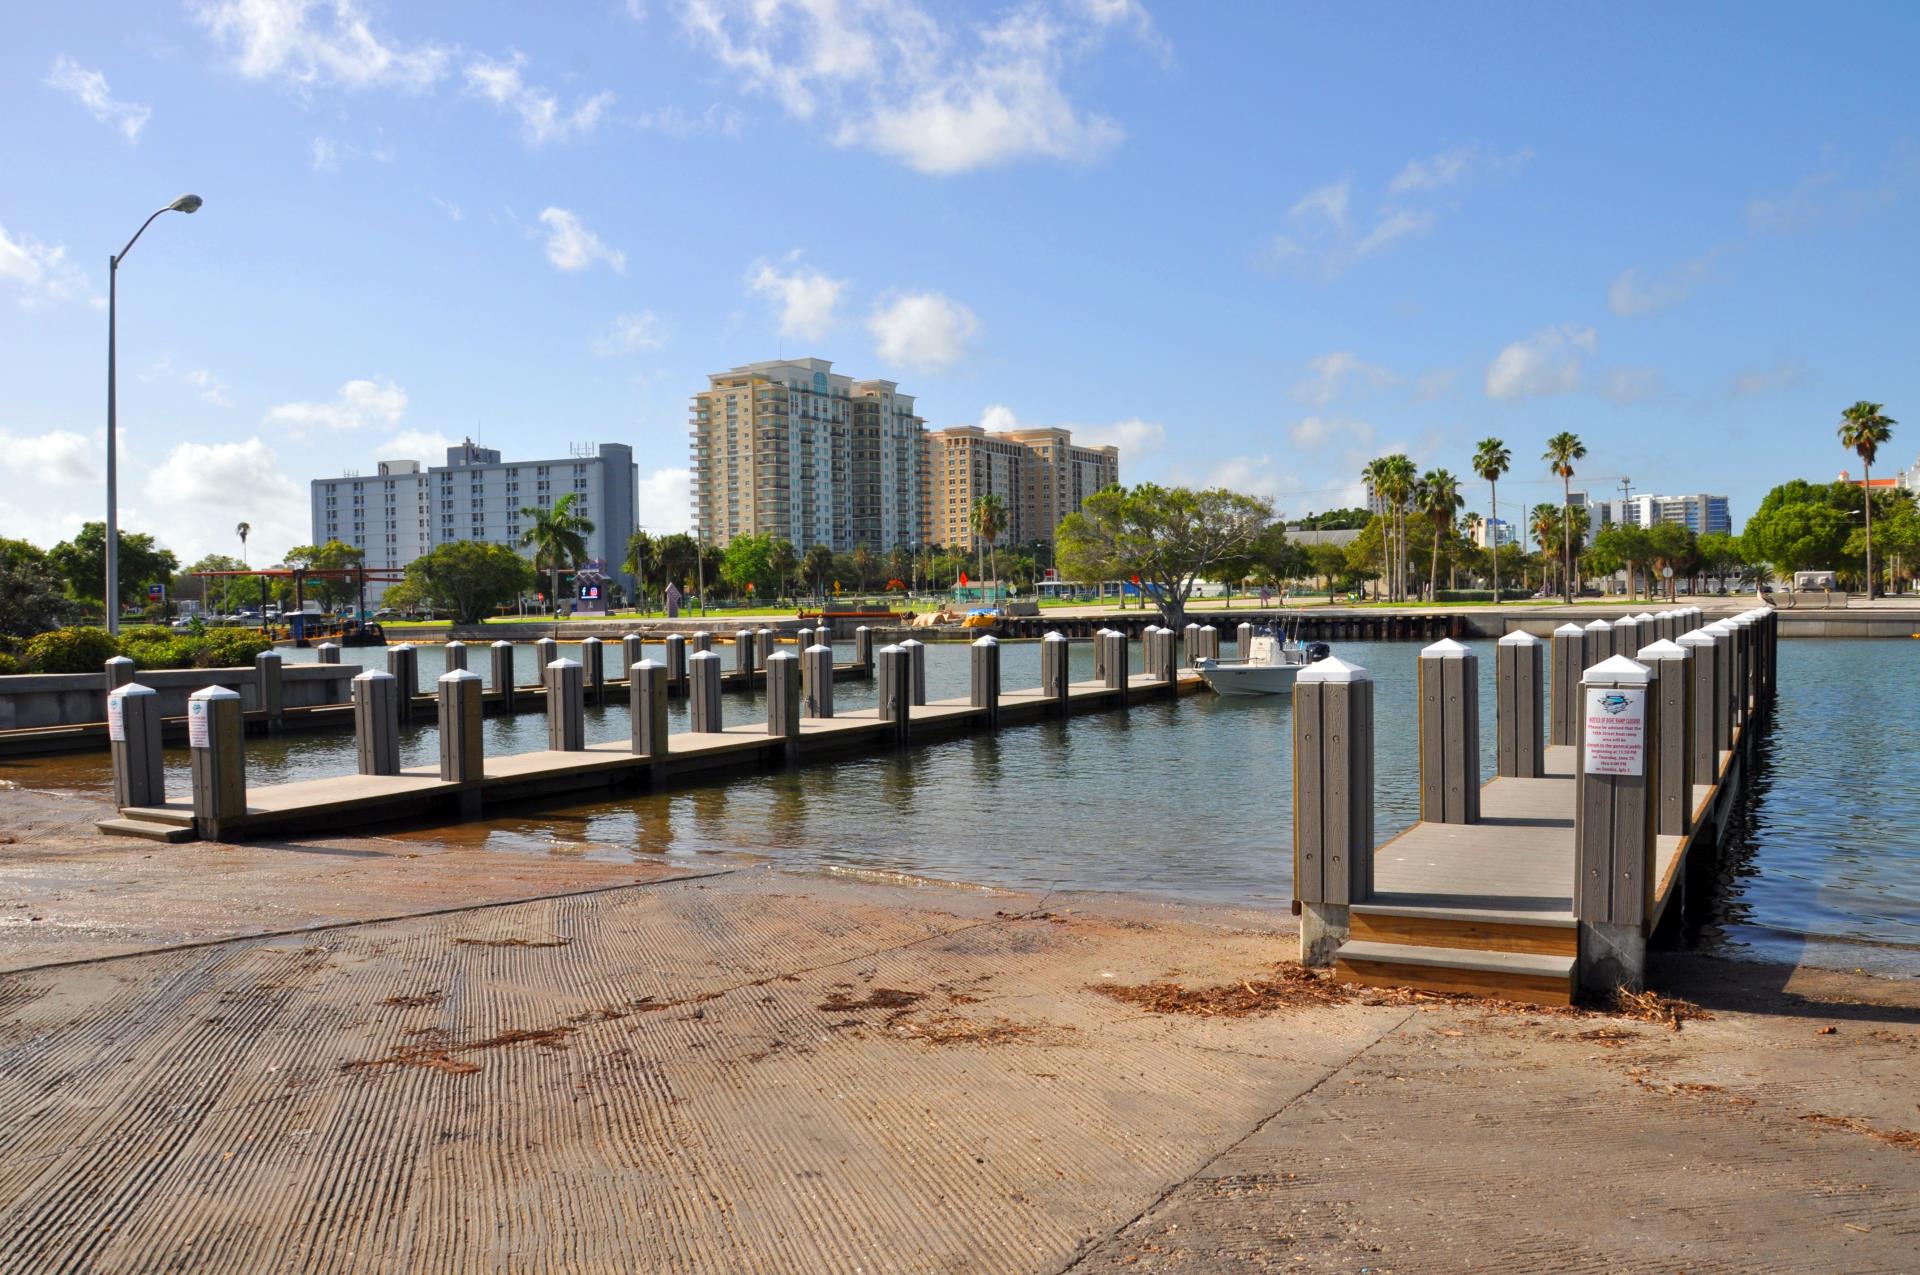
(184, 204)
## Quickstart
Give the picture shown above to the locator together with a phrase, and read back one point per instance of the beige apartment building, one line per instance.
(791, 448)
(1039, 474)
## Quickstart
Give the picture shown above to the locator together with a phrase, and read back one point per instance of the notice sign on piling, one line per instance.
(117, 719)
(197, 724)
(1616, 738)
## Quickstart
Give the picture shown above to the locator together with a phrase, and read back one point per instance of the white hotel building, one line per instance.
(402, 510)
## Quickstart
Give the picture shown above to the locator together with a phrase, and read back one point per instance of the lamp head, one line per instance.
(185, 204)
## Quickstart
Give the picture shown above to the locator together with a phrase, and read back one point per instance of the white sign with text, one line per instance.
(197, 724)
(1616, 736)
(117, 718)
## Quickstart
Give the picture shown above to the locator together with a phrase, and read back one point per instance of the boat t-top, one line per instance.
(1268, 667)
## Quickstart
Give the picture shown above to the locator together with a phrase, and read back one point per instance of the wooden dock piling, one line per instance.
(1449, 732)
(216, 741)
(376, 722)
(133, 739)
(1332, 801)
(1519, 672)
(647, 708)
(1615, 824)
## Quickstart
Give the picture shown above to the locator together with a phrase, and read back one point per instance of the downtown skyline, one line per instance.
(1254, 253)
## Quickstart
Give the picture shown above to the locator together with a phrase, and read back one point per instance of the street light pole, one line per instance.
(185, 204)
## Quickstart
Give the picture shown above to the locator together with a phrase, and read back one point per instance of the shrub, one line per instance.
(229, 648)
(70, 651)
(8, 665)
(169, 652)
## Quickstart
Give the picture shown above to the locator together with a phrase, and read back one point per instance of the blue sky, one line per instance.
(1252, 244)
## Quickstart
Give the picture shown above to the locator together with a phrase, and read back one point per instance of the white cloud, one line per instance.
(631, 334)
(571, 246)
(326, 155)
(200, 490)
(1435, 384)
(541, 119)
(309, 43)
(1332, 373)
(892, 77)
(998, 419)
(1635, 293)
(1452, 167)
(1311, 433)
(451, 209)
(925, 331)
(1548, 362)
(666, 497)
(417, 444)
(1767, 380)
(89, 88)
(42, 271)
(718, 118)
(1816, 200)
(359, 403)
(1631, 384)
(58, 457)
(807, 297)
(210, 388)
(1133, 436)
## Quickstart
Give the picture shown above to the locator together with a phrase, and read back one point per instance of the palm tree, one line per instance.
(1490, 461)
(1562, 450)
(1402, 480)
(243, 531)
(557, 535)
(1375, 475)
(1439, 499)
(1863, 427)
(1546, 527)
(816, 566)
(640, 549)
(988, 518)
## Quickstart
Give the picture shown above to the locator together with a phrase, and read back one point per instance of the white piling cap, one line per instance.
(134, 688)
(788, 656)
(121, 659)
(1644, 616)
(563, 662)
(1599, 626)
(895, 649)
(1719, 626)
(1520, 637)
(1695, 637)
(818, 647)
(1445, 649)
(1662, 650)
(458, 675)
(1618, 668)
(596, 641)
(375, 675)
(650, 663)
(455, 642)
(214, 692)
(704, 655)
(1054, 635)
(988, 640)
(502, 642)
(1208, 628)
(1333, 669)
(913, 642)
(1569, 627)
(404, 646)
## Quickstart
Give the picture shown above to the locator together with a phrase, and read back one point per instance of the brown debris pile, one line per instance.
(1908, 1138)
(435, 1053)
(553, 940)
(1651, 1007)
(413, 1002)
(1290, 987)
(839, 1002)
(940, 1028)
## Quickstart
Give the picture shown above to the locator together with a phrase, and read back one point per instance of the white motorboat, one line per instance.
(1268, 668)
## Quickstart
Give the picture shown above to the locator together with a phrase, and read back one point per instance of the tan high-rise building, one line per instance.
(1040, 475)
(793, 449)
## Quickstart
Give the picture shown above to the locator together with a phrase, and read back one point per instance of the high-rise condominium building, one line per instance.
(402, 511)
(1700, 514)
(791, 448)
(1040, 475)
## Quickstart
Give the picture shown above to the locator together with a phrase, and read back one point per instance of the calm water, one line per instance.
(1191, 799)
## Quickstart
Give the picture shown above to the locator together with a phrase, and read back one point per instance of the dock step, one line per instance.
(1541, 978)
(177, 813)
(171, 833)
(1466, 928)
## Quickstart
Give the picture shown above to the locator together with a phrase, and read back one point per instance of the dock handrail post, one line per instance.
(863, 650)
(1672, 666)
(1724, 670)
(1166, 667)
(328, 652)
(896, 695)
(1743, 649)
(376, 722)
(269, 677)
(1114, 670)
(456, 653)
(704, 692)
(743, 660)
(545, 652)
(118, 672)
(632, 651)
(403, 662)
(1210, 641)
(1100, 655)
(984, 658)
(502, 653)
(1449, 727)
(916, 669)
(1190, 643)
(762, 647)
(1598, 646)
(1242, 639)
(783, 700)
(462, 754)
(701, 641)
(593, 668)
(647, 707)
(1703, 672)
(133, 738)
(816, 681)
(1615, 802)
(1054, 683)
(1569, 661)
(566, 706)
(1520, 751)
(677, 663)
(1332, 801)
(1627, 636)
(219, 761)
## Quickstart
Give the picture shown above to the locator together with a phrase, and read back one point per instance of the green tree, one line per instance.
(863, 562)
(1329, 562)
(900, 564)
(987, 519)
(1334, 520)
(1896, 530)
(747, 566)
(1796, 536)
(1720, 557)
(466, 577)
(1491, 460)
(1863, 428)
(784, 561)
(1626, 546)
(558, 538)
(334, 555)
(817, 567)
(1562, 450)
(643, 560)
(82, 563)
(1670, 546)
(676, 559)
(31, 600)
(1169, 537)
